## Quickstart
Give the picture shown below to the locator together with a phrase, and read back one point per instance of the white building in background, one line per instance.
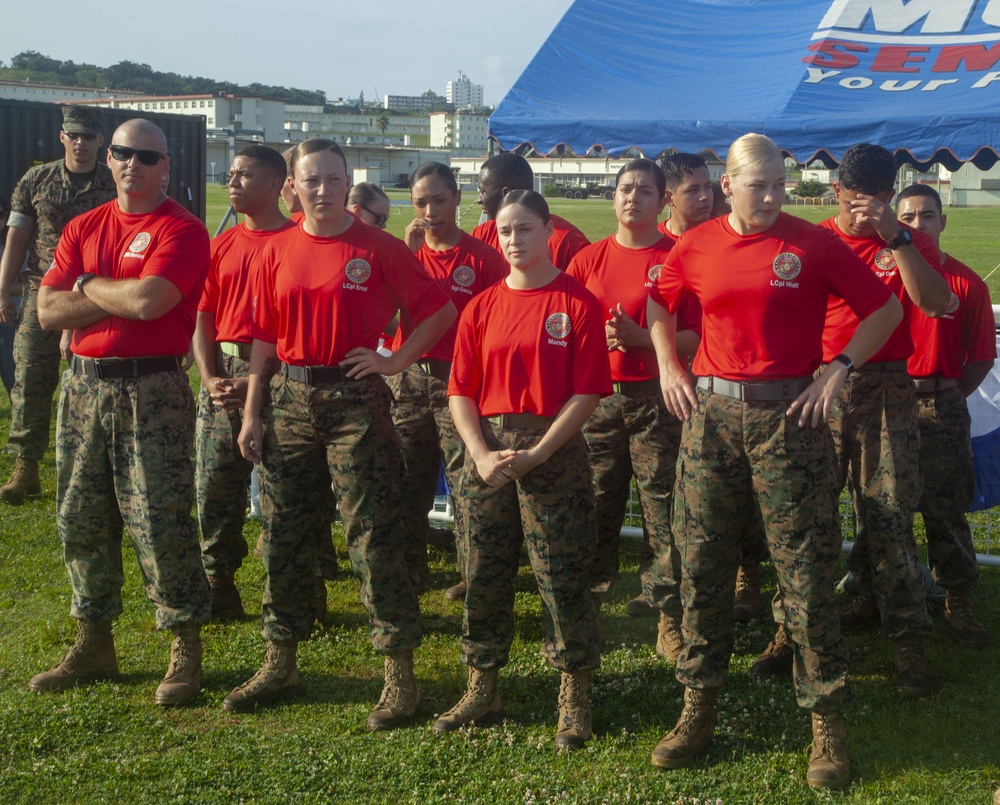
(57, 93)
(462, 134)
(353, 128)
(463, 93)
(413, 103)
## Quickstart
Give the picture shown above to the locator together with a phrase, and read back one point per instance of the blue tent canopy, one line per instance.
(920, 77)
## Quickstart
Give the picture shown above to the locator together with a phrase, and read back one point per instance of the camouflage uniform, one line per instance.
(632, 434)
(340, 430)
(949, 486)
(875, 430)
(736, 456)
(125, 446)
(44, 201)
(554, 505)
(426, 433)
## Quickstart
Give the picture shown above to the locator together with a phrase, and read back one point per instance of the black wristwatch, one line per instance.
(844, 359)
(904, 238)
(83, 279)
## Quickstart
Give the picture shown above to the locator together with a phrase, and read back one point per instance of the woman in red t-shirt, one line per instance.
(755, 437)
(463, 267)
(530, 366)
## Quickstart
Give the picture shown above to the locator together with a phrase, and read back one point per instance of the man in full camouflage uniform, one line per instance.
(45, 200)
(126, 279)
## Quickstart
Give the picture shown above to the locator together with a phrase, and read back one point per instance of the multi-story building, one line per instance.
(463, 134)
(424, 102)
(353, 128)
(57, 93)
(462, 93)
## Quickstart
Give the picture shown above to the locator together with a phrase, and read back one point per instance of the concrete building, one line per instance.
(462, 93)
(462, 134)
(57, 93)
(424, 102)
(353, 128)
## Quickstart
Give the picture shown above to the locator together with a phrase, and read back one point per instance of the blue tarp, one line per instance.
(920, 77)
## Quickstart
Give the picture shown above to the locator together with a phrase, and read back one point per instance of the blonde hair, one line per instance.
(749, 151)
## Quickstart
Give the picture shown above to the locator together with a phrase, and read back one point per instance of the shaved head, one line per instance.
(137, 128)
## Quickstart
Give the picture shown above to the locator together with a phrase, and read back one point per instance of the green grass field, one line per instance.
(108, 742)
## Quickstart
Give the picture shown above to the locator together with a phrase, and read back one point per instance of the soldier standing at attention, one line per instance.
(221, 345)
(126, 279)
(755, 438)
(952, 355)
(45, 200)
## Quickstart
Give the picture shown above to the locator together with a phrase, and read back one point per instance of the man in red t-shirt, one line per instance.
(952, 355)
(126, 279)
(631, 433)
(509, 171)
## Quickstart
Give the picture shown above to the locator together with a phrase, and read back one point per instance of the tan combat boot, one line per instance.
(913, 676)
(777, 659)
(456, 592)
(747, 605)
(829, 764)
(639, 607)
(862, 613)
(23, 481)
(183, 678)
(91, 657)
(400, 698)
(669, 639)
(480, 705)
(692, 733)
(574, 710)
(226, 603)
(960, 622)
(278, 678)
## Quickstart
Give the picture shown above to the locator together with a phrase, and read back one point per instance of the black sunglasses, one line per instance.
(146, 156)
(80, 135)
(380, 220)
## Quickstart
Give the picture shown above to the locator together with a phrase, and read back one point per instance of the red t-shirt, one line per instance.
(841, 321)
(565, 242)
(168, 242)
(764, 296)
(530, 351)
(967, 332)
(228, 292)
(463, 271)
(617, 275)
(318, 298)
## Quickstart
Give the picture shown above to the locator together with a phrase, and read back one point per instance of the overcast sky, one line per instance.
(379, 47)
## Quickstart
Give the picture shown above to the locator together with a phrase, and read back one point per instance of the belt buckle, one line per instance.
(98, 370)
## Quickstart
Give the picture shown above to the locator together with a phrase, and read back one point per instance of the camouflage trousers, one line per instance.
(875, 430)
(553, 506)
(340, 431)
(123, 455)
(36, 376)
(736, 457)
(949, 487)
(426, 434)
(633, 434)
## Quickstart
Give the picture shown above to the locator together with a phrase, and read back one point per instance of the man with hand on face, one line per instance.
(952, 355)
(509, 171)
(126, 279)
(45, 200)
(221, 344)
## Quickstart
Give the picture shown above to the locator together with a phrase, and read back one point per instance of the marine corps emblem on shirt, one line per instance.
(358, 271)
(464, 276)
(884, 261)
(138, 245)
(953, 304)
(654, 273)
(787, 266)
(558, 326)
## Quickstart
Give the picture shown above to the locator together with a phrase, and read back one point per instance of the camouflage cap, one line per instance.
(81, 120)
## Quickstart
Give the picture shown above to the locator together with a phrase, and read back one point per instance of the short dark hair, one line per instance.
(313, 146)
(529, 199)
(269, 159)
(677, 166)
(924, 190)
(867, 168)
(643, 165)
(439, 169)
(510, 170)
